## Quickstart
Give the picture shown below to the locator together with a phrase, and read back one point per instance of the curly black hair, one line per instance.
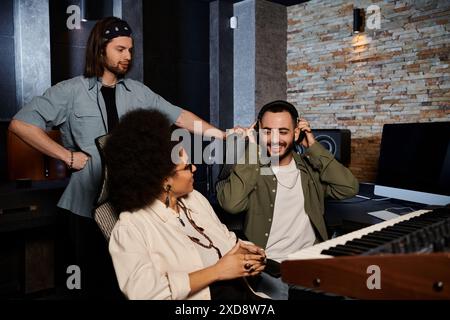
(138, 158)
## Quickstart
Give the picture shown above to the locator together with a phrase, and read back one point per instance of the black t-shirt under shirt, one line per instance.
(109, 95)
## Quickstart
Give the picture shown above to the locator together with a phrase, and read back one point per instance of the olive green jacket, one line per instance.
(247, 190)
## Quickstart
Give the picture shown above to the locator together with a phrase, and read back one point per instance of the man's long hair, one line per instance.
(95, 49)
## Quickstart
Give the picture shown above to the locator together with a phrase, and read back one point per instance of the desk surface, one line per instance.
(353, 213)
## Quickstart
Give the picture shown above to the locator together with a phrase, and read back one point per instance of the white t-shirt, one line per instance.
(291, 228)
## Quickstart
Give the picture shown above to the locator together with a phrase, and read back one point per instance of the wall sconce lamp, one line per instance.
(358, 20)
(96, 9)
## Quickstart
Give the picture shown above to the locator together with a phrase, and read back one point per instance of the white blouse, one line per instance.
(153, 256)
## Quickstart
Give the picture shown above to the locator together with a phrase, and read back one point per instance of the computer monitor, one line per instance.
(414, 163)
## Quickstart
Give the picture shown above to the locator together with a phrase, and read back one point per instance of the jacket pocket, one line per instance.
(86, 112)
(86, 125)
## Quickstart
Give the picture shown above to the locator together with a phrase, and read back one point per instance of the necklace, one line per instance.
(289, 186)
(179, 219)
(199, 230)
(109, 85)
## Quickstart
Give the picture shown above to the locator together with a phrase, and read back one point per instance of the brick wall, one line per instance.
(398, 73)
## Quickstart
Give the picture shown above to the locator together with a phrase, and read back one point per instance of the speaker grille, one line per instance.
(336, 141)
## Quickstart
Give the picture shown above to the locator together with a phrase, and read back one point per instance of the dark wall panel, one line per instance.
(7, 18)
(161, 43)
(193, 27)
(8, 103)
(3, 156)
(7, 79)
(7, 65)
(67, 62)
(176, 34)
(67, 46)
(193, 89)
(176, 57)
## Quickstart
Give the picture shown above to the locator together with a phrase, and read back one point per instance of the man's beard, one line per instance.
(116, 70)
(287, 151)
(277, 158)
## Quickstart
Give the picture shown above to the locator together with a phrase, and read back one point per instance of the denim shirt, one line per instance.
(78, 108)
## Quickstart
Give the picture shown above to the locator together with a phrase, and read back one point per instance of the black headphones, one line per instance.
(290, 108)
(285, 106)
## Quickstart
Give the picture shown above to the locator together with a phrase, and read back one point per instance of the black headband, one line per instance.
(117, 29)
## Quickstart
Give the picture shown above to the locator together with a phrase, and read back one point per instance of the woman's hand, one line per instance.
(248, 247)
(243, 260)
(239, 262)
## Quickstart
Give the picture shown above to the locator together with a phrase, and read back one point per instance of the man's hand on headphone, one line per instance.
(309, 140)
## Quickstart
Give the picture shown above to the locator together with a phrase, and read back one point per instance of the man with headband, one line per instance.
(85, 108)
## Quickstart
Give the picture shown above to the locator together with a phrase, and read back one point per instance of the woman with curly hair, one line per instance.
(168, 242)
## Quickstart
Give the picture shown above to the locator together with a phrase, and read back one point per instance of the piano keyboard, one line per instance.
(418, 231)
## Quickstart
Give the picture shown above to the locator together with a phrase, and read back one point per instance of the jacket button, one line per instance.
(271, 205)
(274, 179)
(273, 190)
(266, 234)
(256, 188)
(270, 220)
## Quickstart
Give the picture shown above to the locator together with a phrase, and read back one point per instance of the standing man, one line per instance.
(85, 108)
(284, 209)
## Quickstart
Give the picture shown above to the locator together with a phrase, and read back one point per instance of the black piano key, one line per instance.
(423, 222)
(392, 232)
(430, 219)
(333, 253)
(397, 230)
(353, 248)
(368, 237)
(385, 235)
(438, 213)
(376, 243)
(411, 224)
(362, 242)
(403, 229)
(337, 252)
(340, 248)
(407, 226)
(404, 224)
(419, 224)
(360, 248)
(375, 236)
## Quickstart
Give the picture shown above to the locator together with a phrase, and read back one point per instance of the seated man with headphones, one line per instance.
(284, 197)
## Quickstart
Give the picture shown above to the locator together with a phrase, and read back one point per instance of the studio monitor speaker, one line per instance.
(336, 141)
